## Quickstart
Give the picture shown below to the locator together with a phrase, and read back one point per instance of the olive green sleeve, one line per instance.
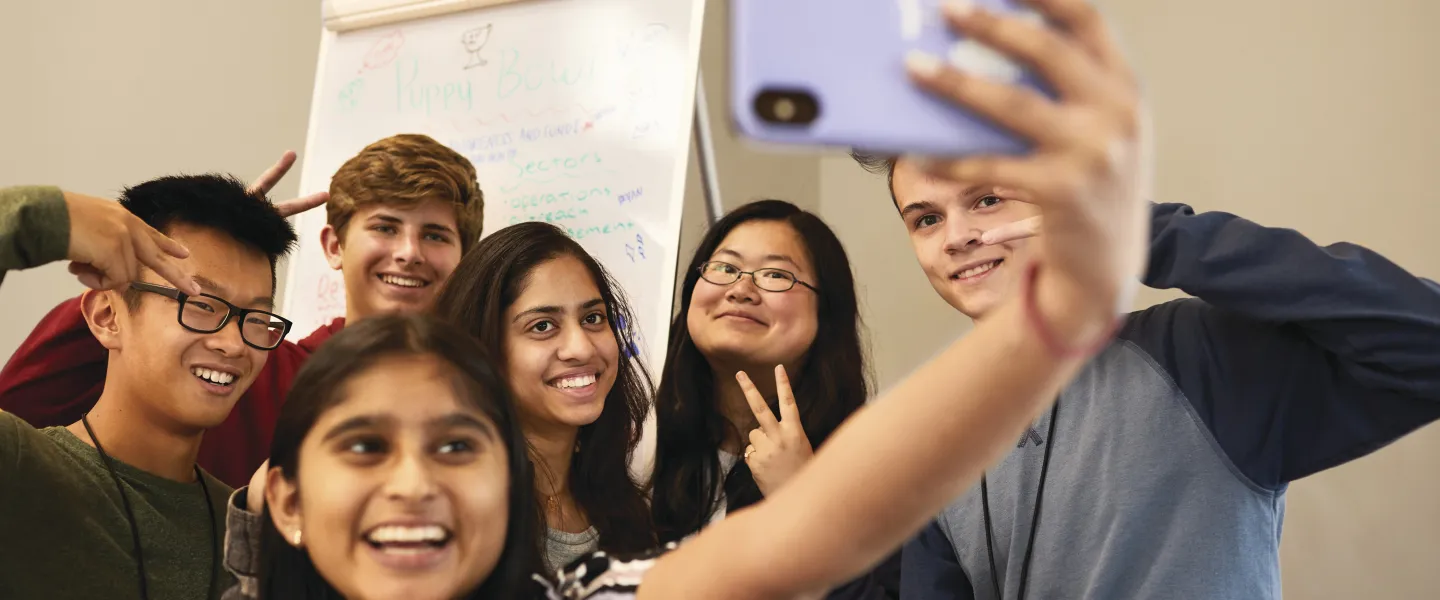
(34, 227)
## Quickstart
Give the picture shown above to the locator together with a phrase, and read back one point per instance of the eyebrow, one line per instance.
(441, 228)
(453, 420)
(464, 421)
(551, 309)
(353, 423)
(428, 226)
(209, 286)
(766, 258)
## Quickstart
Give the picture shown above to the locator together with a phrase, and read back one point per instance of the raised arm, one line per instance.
(34, 227)
(1297, 357)
(897, 462)
(1379, 322)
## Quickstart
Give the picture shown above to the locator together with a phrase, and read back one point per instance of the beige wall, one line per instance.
(1313, 115)
(98, 95)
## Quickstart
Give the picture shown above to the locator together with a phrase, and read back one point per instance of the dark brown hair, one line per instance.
(833, 383)
(286, 572)
(484, 285)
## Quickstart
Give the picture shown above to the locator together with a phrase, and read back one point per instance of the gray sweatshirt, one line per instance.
(1171, 451)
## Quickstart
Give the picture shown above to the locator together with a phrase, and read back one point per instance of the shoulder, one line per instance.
(601, 576)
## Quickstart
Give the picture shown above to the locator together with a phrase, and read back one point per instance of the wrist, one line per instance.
(1072, 319)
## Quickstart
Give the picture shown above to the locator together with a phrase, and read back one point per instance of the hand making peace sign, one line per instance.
(777, 448)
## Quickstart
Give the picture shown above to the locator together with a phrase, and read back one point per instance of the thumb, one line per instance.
(88, 275)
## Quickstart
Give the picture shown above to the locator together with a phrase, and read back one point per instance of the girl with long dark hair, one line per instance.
(548, 312)
(770, 284)
(398, 451)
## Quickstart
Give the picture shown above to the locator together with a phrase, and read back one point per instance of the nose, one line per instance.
(411, 479)
(961, 236)
(227, 341)
(576, 345)
(407, 250)
(744, 290)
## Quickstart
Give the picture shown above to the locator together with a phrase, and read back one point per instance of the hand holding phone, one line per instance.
(832, 73)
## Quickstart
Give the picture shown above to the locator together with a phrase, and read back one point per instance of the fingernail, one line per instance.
(987, 238)
(958, 9)
(923, 63)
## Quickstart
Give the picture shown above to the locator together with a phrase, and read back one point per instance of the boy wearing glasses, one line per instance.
(400, 214)
(117, 496)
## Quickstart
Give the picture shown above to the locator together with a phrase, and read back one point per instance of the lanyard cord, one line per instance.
(135, 528)
(1034, 519)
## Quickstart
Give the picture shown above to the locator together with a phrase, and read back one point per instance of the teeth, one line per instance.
(212, 376)
(971, 272)
(399, 534)
(576, 381)
(402, 281)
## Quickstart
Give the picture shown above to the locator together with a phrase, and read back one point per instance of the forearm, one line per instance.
(891, 467)
(34, 227)
(1379, 320)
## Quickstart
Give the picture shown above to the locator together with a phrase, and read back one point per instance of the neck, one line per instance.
(554, 451)
(132, 436)
(736, 409)
(352, 313)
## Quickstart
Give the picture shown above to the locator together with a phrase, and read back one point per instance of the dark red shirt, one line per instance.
(58, 374)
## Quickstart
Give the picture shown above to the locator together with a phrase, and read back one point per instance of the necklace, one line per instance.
(1034, 519)
(135, 528)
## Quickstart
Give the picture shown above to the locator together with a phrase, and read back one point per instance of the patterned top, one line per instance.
(603, 577)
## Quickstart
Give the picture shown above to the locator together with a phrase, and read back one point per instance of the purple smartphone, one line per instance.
(832, 73)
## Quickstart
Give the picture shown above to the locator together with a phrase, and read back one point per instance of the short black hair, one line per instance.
(215, 201)
(879, 164)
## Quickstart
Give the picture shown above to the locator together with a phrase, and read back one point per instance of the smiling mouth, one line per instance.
(405, 282)
(741, 317)
(403, 540)
(576, 382)
(976, 271)
(213, 377)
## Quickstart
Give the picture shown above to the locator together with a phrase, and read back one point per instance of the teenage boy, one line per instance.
(1162, 470)
(114, 505)
(399, 215)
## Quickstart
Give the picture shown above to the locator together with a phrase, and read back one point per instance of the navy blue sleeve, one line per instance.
(1298, 357)
(929, 569)
(881, 583)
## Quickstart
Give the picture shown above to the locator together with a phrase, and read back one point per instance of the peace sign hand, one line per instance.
(777, 449)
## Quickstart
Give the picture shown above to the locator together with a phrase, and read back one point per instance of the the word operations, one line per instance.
(537, 199)
(428, 97)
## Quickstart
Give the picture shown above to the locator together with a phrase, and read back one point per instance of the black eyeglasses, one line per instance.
(208, 314)
(770, 280)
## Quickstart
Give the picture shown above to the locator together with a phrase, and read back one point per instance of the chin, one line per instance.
(582, 416)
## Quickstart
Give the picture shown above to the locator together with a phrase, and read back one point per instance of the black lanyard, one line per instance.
(1034, 519)
(135, 529)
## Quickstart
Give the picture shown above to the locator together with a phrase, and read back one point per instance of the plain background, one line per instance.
(1311, 114)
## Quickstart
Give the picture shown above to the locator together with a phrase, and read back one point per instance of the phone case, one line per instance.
(848, 55)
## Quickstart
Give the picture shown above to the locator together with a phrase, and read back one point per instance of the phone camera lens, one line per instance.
(786, 107)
